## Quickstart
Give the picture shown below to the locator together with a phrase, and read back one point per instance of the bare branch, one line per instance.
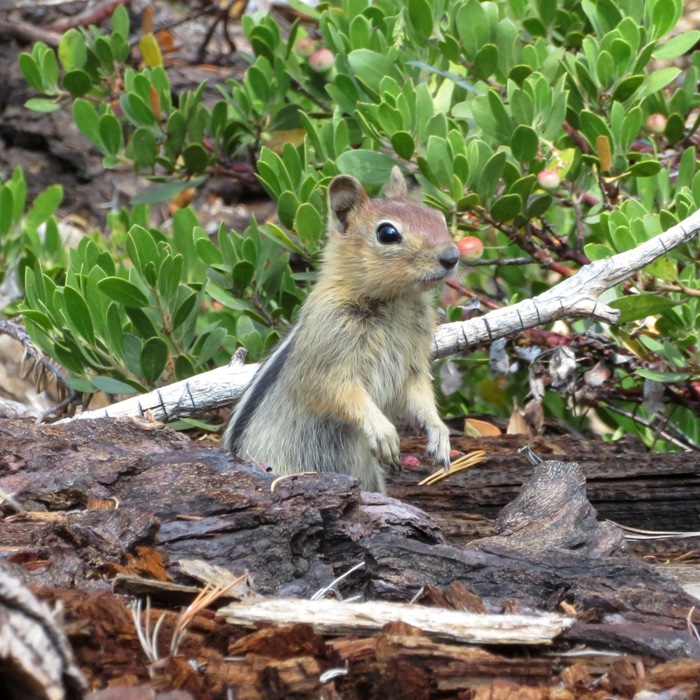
(363, 618)
(575, 297)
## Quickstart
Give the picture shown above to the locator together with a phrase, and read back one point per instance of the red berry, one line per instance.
(410, 461)
(321, 61)
(548, 180)
(305, 46)
(656, 123)
(470, 247)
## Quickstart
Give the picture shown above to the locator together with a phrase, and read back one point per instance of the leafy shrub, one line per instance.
(559, 130)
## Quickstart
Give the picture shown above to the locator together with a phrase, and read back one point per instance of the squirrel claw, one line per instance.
(439, 445)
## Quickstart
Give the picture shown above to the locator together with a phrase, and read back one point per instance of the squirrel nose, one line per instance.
(449, 257)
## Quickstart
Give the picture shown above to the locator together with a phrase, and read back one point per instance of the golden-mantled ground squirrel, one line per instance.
(358, 357)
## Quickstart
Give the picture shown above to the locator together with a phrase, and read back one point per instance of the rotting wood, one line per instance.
(36, 662)
(176, 500)
(339, 618)
(624, 482)
(297, 539)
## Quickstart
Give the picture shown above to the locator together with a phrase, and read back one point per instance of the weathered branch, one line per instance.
(333, 617)
(575, 297)
(189, 397)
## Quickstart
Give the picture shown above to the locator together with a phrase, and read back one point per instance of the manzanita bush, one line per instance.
(556, 132)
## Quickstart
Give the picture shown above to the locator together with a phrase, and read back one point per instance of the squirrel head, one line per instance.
(388, 246)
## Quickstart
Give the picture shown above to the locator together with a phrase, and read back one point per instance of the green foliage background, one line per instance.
(474, 98)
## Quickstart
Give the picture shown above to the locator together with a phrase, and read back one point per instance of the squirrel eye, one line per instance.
(387, 233)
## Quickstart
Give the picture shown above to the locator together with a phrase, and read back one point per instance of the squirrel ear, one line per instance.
(345, 194)
(396, 189)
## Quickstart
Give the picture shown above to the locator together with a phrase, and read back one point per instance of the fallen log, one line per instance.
(183, 501)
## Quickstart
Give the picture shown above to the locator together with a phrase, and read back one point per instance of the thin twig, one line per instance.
(501, 262)
(683, 441)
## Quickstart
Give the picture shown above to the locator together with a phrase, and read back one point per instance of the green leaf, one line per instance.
(658, 80)
(79, 314)
(143, 149)
(30, 71)
(287, 118)
(664, 15)
(176, 130)
(211, 345)
(402, 142)
(371, 67)
(103, 49)
(605, 69)
(77, 82)
(112, 386)
(309, 225)
(604, 15)
(120, 22)
(141, 247)
(20, 192)
(137, 110)
(524, 143)
(38, 317)
(72, 51)
(242, 275)
(677, 46)
(115, 332)
(184, 367)
(593, 126)
(663, 377)
(631, 125)
(141, 323)
(627, 87)
(675, 128)
(369, 167)
(154, 357)
(186, 302)
(597, 251)
(132, 353)
(87, 121)
(6, 210)
(44, 206)
(538, 205)
(486, 61)
(305, 10)
(506, 208)
(39, 104)
(472, 24)
(276, 234)
(120, 48)
(111, 134)
(123, 292)
(287, 206)
(49, 72)
(208, 253)
(637, 306)
(421, 16)
(663, 268)
(491, 175)
(645, 168)
(196, 158)
(439, 160)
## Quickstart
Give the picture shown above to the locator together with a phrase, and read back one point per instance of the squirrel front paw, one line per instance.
(384, 444)
(439, 444)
